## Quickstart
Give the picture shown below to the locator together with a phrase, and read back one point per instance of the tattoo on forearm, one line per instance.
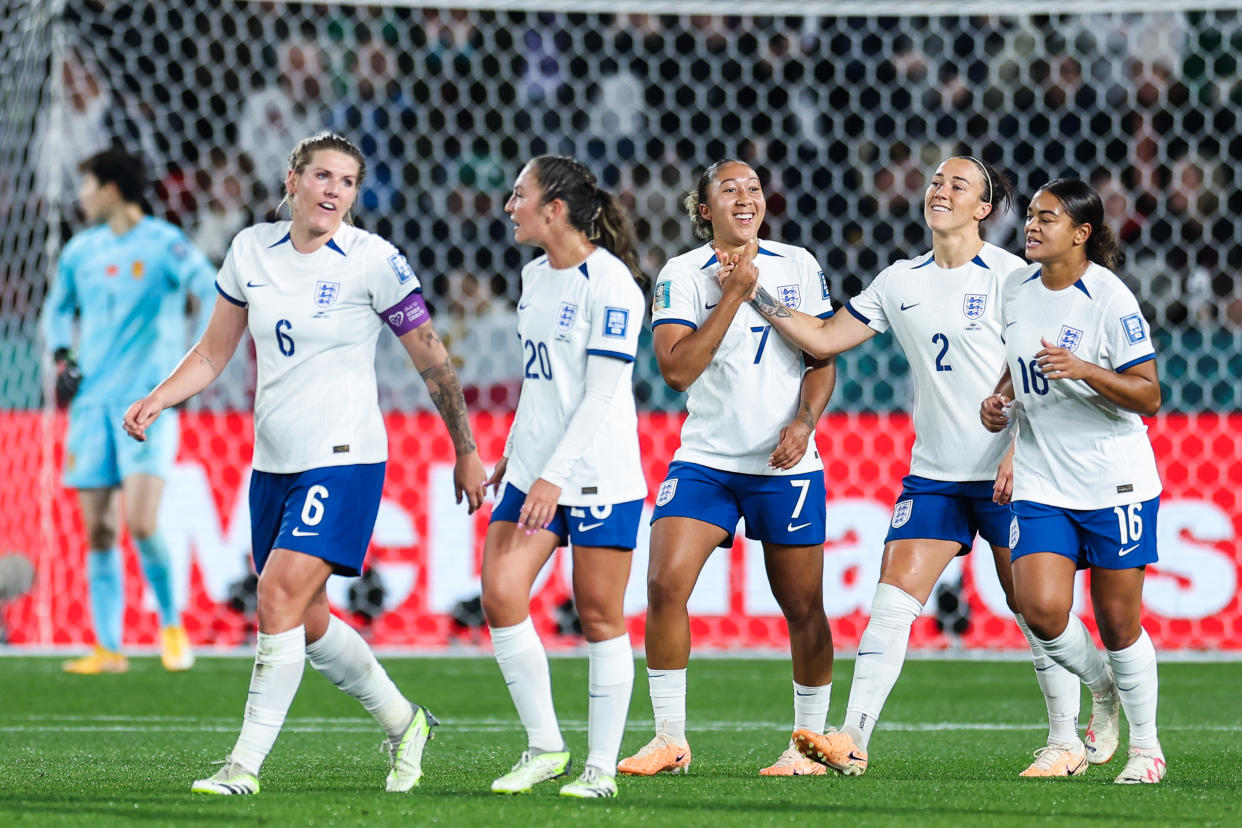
(445, 389)
(206, 360)
(716, 347)
(806, 417)
(769, 307)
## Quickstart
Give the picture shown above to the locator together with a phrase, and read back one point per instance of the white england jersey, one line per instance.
(315, 319)
(948, 324)
(1075, 449)
(564, 316)
(752, 387)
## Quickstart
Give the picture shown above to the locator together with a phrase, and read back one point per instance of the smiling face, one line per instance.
(526, 209)
(1051, 235)
(735, 205)
(954, 197)
(323, 192)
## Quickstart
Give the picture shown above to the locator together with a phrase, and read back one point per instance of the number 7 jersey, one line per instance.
(315, 319)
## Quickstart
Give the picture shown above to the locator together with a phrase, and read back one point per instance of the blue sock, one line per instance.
(107, 587)
(153, 553)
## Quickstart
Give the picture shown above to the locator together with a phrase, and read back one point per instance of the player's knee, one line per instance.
(101, 536)
(140, 528)
(499, 607)
(664, 594)
(1046, 619)
(1119, 626)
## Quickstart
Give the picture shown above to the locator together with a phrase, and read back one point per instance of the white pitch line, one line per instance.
(184, 724)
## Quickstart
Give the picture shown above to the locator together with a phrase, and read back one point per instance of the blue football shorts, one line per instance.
(790, 510)
(1115, 537)
(328, 513)
(99, 454)
(948, 510)
(610, 525)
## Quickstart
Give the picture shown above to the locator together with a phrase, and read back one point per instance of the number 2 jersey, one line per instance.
(315, 319)
(948, 322)
(1075, 449)
(564, 316)
(752, 387)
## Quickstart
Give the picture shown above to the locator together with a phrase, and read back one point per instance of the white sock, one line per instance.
(668, 701)
(811, 707)
(881, 653)
(1074, 650)
(611, 669)
(1134, 670)
(524, 665)
(1060, 688)
(344, 659)
(278, 663)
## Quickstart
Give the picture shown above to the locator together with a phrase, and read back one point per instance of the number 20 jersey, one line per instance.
(565, 315)
(315, 319)
(948, 322)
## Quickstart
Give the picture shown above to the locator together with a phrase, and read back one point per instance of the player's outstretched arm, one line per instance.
(818, 337)
(196, 370)
(433, 364)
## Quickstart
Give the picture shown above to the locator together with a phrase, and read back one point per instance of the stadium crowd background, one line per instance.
(447, 103)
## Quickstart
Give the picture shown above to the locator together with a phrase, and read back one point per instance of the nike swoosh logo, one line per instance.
(680, 756)
(856, 757)
(587, 527)
(298, 533)
(709, 307)
(1010, 325)
(791, 528)
(1126, 689)
(255, 284)
(1121, 553)
(906, 307)
(869, 652)
(598, 695)
(524, 307)
(1046, 667)
(800, 693)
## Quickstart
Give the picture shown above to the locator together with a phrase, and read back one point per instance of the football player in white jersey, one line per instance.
(746, 452)
(315, 293)
(944, 307)
(1080, 370)
(571, 468)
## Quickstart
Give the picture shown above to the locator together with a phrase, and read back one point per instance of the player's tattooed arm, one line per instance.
(767, 305)
(444, 386)
(436, 368)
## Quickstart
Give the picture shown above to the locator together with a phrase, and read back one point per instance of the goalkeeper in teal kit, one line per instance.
(124, 286)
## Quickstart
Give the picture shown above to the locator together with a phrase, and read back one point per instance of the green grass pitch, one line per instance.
(122, 750)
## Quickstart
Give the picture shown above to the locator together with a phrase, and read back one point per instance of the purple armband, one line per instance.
(407, 314)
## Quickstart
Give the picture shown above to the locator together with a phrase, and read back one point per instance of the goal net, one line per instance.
(842, 107)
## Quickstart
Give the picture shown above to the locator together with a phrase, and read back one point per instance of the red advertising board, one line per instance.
(426, 550)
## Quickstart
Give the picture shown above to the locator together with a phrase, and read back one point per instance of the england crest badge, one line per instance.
(973, 304)
(667, 489)
(901, 513)
(789, 295)
(1069, 338)
(566, 315)
(326, 293)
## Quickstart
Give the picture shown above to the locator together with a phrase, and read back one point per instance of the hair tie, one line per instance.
(986, 178)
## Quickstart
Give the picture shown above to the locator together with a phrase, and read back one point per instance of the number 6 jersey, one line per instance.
(564, 316)
(315, 318)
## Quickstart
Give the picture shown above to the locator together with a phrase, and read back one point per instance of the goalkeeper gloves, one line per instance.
(68, 376)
